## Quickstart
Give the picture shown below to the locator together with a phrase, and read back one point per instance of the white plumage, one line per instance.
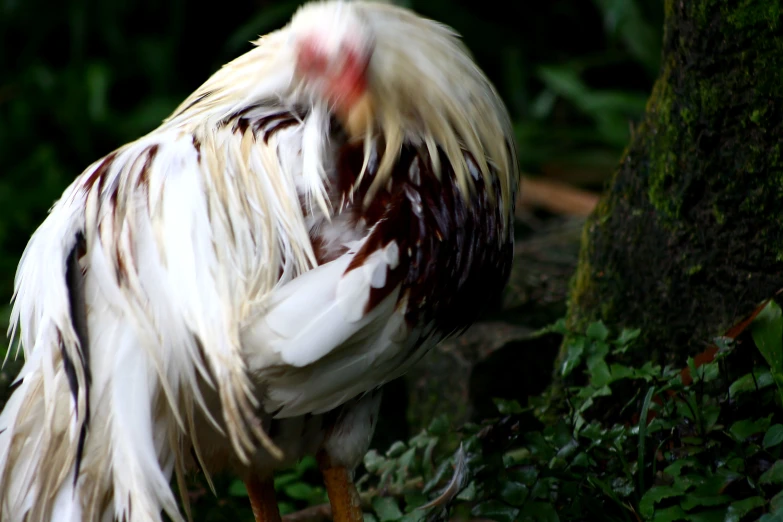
(228, 275)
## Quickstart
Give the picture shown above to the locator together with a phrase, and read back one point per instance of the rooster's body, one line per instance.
(234, 287)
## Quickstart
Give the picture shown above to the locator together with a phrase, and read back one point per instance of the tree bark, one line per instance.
(688, 237)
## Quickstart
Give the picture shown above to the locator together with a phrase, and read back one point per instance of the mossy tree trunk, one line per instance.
(689, 236)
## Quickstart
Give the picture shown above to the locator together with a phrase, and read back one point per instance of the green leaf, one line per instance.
(539, 446)
(599, 372)
(714, 485)
(286, 478)
(307, 463)
(285, 507)
(608, 109)
(421, 440)
(417, 515)
(692, 501)
(776, 503)
(772, 517)
(527, 475)
(621, 372)
(567, 449)
(582, 460)
(494, 510)
(469, 493)
(654, 495)
(648, 372)
(710, 414)
(598, 331)
(542, 106)
(624, 19)
(760, 378)
(237, 489)
(675, 468)
(98, 81)
(589, 393)
(669, 514)
(414, 499)
(773, 475)
(560, 433)
(439, 425)
(740, 508)
(558, 326)
(575, 349)
(514, 493)
(373, 461)
(767, 331)
(743, 429)
(622, 486)
(386, 508)
(565, 81)
(396, 449)
(540, 512)
(429, 463)
(714, 515)
(299, 491)
(603, 486)
(627, 336)
(706, 372)
(407, 459)
(542, 488)
(773, 437)
(507, 407)
(736, 464)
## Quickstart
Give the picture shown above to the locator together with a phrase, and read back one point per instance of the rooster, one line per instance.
(231, 291)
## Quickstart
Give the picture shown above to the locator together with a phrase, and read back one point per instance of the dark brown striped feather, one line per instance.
(455, 252)
(455, 256)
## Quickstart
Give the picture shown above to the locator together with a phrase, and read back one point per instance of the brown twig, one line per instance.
(557, 197)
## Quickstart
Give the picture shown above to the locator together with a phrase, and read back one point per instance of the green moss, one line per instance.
(709, 97)
(751, 13)
(582, 278)
(663, 163)
(695, 269)
(746, 14)
(720, 217)
(695, 208)
(687, 116)
(774, 159)
(668, 8)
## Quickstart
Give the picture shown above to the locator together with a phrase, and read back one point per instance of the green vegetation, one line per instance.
(637, 443)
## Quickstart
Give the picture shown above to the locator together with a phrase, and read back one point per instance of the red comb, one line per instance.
(343, 86)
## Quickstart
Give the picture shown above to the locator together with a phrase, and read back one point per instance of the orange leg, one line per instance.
(346, 505)
(262, 499)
